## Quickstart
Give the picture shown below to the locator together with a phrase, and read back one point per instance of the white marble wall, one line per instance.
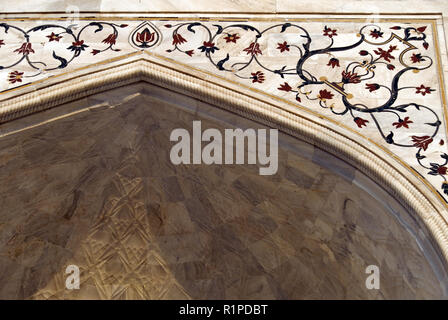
(90, 46)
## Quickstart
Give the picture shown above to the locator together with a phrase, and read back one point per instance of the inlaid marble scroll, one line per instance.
(383, 80)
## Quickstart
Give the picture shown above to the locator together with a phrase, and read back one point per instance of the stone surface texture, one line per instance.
(91, 184)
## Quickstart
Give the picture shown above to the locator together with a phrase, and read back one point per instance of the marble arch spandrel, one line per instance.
(381, 79)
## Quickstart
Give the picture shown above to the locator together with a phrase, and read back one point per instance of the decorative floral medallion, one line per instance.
(145, 36)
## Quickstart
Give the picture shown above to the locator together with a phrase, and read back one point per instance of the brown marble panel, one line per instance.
(97, 189)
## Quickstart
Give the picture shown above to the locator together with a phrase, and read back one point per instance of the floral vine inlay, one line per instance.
(369, 79)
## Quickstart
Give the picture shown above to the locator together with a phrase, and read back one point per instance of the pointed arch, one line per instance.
(371, 159)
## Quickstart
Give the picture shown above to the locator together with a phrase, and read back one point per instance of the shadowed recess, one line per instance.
(90, 183)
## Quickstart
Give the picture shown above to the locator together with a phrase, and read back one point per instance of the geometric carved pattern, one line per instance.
(117, 260)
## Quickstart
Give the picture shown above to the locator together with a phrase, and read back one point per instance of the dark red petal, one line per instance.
(421, 29)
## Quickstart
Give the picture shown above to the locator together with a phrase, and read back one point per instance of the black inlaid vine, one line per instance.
(380, 57)
(77, 46)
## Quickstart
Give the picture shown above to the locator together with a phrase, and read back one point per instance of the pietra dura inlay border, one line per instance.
(383, 80)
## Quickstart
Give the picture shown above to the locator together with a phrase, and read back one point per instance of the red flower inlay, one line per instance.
(208, 44)
(95, 51)
(178, 39)
(78, 43)
(348, 77)
(257, 77)
(402, 123)
(54, 37)
(231, 38)
(208, 47)
(285, 87)
(423, 90)
(145, 36)
(330, 32)
(283, 46)
(360, 122)
(417, 57)
(421, 142)
(376, 33)
(15, 76)
(25, 48)
(189, 52)
(1, 43)
(111, 39)
(253, 48)
(372, 86)
(333, 62)
(78, 46)
(325, 94)
(386, 54)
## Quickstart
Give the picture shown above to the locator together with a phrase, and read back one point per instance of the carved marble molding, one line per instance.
(257, 68)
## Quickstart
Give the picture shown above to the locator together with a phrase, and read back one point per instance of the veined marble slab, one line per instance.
(91, 184)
